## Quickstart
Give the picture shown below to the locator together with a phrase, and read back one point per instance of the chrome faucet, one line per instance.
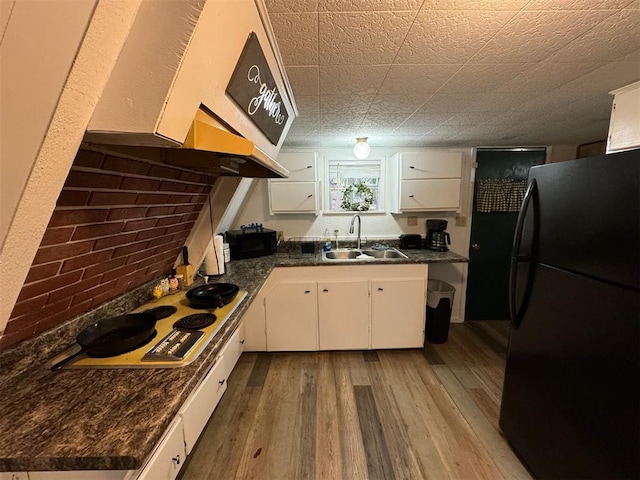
(353, 220)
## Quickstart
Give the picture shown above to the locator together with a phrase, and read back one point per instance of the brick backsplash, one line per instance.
(118, 224)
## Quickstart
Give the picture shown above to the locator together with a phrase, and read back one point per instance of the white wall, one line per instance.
(374, 225)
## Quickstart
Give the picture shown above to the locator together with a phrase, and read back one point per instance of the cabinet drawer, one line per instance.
(416, 165)
(438, 194)
(233, 349)
(166, 461)
(202, 402)
(292, 197)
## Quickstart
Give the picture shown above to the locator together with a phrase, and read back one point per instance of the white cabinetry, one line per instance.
(624, 126)
(202, 402)
(299, 192)
(343, 315)
(169, 456)
(292, 317)
(425, 181)
(397, 313)
(233, 349)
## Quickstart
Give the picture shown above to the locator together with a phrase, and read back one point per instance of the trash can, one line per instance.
(439, 303)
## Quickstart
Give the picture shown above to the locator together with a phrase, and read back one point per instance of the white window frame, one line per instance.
(327, 185)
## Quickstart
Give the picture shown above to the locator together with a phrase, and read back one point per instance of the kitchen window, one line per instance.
(356, 177)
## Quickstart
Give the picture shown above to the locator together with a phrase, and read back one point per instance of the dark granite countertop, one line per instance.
(111, 419)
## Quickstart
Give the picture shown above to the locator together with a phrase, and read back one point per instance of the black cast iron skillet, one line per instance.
(212, 295)
(113, 336)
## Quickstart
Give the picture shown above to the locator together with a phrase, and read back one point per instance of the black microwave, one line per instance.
(250, 244)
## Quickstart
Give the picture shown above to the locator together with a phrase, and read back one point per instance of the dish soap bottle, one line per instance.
(327, 241)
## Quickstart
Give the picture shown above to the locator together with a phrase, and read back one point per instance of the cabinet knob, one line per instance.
(307, 291)
(411, 196)
(310, 195)
(309, 166)
(325, 289)
(241, 342)
(221, 382)
(380, 289)
(176, 459)
(411, 166)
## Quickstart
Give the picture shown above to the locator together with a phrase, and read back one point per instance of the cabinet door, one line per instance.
(292, 317)
(398, 310)
(439, 194)
(167, 460)
(301, 166)
(292, 197)
(343, 315)
(624, 126)
(202, 402)
(233, 349)
(436, 164)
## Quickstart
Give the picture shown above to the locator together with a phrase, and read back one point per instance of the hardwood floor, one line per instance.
(386, 414)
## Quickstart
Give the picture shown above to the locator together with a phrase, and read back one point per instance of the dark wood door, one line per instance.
(492, 235)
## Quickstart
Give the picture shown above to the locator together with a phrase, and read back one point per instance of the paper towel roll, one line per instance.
(214, 259)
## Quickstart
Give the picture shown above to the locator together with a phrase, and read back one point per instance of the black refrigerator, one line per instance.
(571, 404)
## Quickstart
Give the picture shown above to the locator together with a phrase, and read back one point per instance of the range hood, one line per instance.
(198, 84)
(209, 147)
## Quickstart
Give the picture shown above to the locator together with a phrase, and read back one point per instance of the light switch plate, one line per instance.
(412, 221)
(461, 221)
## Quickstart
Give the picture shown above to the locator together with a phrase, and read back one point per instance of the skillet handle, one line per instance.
(66, 361)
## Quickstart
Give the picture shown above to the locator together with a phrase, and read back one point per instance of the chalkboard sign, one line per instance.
(253, 88)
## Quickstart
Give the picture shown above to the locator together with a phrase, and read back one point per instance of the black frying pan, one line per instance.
(113, 336)
(212, 295)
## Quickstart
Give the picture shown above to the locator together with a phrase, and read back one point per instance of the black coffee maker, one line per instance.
(437, 238)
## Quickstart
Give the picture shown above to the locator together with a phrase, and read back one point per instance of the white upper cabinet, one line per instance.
(425, 181)
(624, 126)
(299, 192)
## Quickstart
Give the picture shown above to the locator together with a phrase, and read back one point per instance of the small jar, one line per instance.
(180, 278)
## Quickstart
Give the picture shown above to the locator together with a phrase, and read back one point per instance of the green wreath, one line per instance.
(357, 198)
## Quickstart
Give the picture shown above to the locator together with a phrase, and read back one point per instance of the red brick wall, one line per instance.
(118, 223)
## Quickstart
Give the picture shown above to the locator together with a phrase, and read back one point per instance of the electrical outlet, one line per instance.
(461, 221)
(412, 221)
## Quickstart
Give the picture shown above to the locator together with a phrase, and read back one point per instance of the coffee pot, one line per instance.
(437, 239)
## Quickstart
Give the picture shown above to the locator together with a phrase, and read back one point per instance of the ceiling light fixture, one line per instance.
(361, 149)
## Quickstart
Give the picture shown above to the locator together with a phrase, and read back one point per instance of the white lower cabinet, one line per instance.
(233, 349)
(397, 313)
(292, 317)
(343, 315)
(202, 402)
(169, 456)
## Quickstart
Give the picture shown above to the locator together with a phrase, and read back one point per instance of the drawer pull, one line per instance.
(325, 290)
(176, 459)
(380, 289)
(411, 166)
(307, 291)
(411, 196)
(241, 342)
(310, 195)
(221, 382)
(309, 166)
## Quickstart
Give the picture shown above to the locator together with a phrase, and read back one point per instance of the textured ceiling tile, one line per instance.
(297, 37)
(483, 77)
(308, 104)
(352, 80)
(349, 121)
(304, 80)
(544, 77)
(345, 104)
(418, 124)
(606, 78)
(368, 5)
(380, 123)
(534, 36)
(611, 39)
(474, 4)
(576, 4)
(362, 38)
(397, 103)
(416, 79)
(475, 118)
(287, 6)
(440, 36)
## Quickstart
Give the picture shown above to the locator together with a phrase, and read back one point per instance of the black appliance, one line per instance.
(437, 239)
(571, 398)
(250, 242)
(410, 241)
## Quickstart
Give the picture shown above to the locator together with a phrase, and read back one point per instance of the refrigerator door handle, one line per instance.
(516, 258)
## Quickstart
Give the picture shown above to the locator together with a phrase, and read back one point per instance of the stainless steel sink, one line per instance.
(355, 255)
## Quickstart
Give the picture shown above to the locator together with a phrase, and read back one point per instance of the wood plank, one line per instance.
(487, 433)
(375, 445)
(328, 453)
(304, 457)
(259, 372)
